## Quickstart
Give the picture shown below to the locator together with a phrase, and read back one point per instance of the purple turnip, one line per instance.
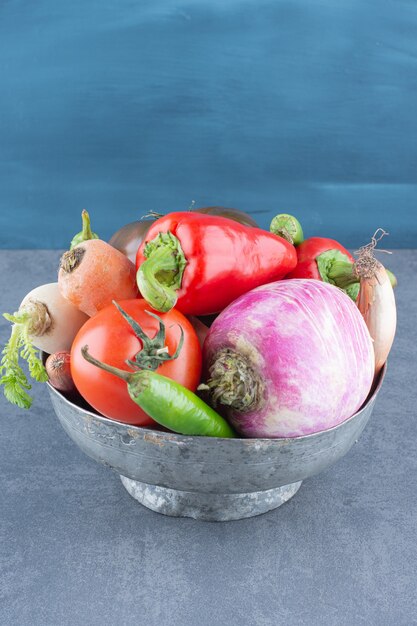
(289, 358)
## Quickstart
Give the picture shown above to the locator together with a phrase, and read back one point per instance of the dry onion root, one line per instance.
(376, 300)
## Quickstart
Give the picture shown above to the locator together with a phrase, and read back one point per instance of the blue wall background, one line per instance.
(122, 107)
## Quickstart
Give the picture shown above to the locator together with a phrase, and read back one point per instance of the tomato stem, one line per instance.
(126, 376)
(154, 352)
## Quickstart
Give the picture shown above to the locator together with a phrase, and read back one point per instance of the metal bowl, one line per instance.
(203, 477)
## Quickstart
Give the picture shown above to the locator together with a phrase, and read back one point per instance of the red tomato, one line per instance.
(112, 340)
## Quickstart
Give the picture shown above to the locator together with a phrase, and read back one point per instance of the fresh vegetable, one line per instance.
(376, 302)
(201, 263)
(128, 238)
(232, 214)
(45, 321)
(131, 335)
(58, 368)
(167, 402)
(86, 232)
(288, 227)
(326, 259)
(288, 359)
(94, 273)
(317, 258)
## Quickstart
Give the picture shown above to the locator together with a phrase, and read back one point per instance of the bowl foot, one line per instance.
(214, 507)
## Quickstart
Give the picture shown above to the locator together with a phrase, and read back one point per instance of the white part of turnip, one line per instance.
(54, 320)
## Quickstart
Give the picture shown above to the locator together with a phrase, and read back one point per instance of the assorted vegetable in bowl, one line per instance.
(301, 328)
(289, 358)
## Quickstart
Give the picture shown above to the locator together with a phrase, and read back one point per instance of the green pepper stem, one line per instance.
(288, 227)
(126, 376)
(86, 232)
(160, 276)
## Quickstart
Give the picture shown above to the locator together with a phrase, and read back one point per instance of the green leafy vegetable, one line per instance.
(14, 380)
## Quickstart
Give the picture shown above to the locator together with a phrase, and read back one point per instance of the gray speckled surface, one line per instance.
(76, 549)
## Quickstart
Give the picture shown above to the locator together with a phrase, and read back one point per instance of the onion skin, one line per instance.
(376, 302)
(309, 353)
(58, 368)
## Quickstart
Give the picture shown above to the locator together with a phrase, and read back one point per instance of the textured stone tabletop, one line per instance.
(75, 548)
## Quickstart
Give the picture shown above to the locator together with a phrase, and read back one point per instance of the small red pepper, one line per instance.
(327, 260)
(201, 263)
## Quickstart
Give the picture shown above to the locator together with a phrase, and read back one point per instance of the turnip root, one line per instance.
(44, 321)
(288, 359)
(52, 320)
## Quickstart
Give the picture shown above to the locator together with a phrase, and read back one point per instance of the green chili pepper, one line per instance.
(169, 403)
(86, 232)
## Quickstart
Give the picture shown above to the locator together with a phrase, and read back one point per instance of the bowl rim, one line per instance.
(178, 438)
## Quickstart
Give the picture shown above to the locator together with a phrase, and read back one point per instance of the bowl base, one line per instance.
(213, 507)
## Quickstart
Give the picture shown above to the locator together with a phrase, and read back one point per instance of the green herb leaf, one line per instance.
(31, 355)
(14, 380)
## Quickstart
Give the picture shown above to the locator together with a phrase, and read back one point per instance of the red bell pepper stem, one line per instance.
(326, 259)
(160, 276)
(342, 274)
(336, 267)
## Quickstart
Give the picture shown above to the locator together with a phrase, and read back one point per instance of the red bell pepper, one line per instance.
(201, 263)
(327, 260)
